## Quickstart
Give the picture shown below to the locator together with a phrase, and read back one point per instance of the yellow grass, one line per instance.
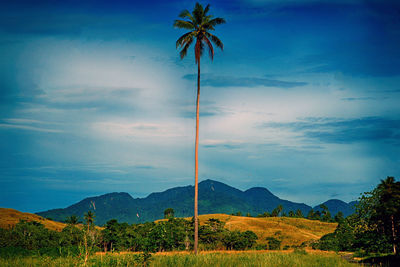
(292, 231)
(10, 217)
(186, 252)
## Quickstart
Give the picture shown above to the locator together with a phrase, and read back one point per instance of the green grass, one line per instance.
(246, 259)
(211, 259)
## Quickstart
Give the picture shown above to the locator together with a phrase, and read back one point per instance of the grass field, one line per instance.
(10, 217)
(253, 258)
(292, 231)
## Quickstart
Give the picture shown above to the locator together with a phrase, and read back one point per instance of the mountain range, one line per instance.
(214, 197)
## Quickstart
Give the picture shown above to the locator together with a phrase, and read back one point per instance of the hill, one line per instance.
(214, 197)
(336, 205)
(292, 231)
(10, 217)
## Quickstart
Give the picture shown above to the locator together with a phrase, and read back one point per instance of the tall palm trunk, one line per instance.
(393, 235)
(196, 163)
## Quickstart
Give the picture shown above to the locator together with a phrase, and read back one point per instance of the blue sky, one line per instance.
(304, 99)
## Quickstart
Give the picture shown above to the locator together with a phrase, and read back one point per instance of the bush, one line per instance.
(273, 243)
(14, 252)
(300, 251)
(261, 247)
(327, 242)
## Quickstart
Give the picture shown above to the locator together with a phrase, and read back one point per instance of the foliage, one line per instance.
(73, 220)
(199, 24)
(325, 214)
(374, 227)
(169, 213)
(235, 240)
(277, 211)
(32, 238)
(174, 234)
(273, 243)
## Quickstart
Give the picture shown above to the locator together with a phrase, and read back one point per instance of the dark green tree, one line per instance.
(374, 226)
(277, 211)
(310, 215)
(169, 213)
(72, 220)
(299, 214)
(379, 212)
(273, 243)
(326, 215)
(339, 217)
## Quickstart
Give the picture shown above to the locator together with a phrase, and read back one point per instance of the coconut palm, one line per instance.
(199, 24)
(89, 218)
(72, 220)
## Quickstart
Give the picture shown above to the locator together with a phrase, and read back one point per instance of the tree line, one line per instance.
(32, 238)
(374, 227)
(324, 215)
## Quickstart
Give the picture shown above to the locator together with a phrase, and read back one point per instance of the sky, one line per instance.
(303, 100)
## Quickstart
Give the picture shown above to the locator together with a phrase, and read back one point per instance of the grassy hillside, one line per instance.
(10, 217)
(292, 231)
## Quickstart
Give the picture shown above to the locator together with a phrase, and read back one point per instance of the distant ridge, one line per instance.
(336, 205)
(214, 197)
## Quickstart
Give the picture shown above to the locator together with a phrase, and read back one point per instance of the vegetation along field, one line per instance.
(301, 258)
(303, 102)
(270, 239)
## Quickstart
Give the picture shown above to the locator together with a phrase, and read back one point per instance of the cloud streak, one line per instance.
(344, 131)
(231, 81)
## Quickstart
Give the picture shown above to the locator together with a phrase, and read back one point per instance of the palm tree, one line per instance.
(89, 218)
(199, 24)
(72, 220)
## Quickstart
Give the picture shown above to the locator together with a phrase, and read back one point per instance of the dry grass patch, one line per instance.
(292, 231)
(10, 217)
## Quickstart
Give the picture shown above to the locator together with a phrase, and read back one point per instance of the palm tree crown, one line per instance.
(200, 24)
(89, 218)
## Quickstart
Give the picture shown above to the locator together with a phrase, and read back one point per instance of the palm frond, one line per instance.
(210, 47)
(199, 23)
(198, 13)
(198, 50)
(185, 48)
(215, 40)
(183, 24)
(206, 19)
(206, 9)
(184, 39)
(185, 14)
(216, 21)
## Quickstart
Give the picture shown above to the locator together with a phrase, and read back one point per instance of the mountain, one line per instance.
(336, 205)
(214, 197)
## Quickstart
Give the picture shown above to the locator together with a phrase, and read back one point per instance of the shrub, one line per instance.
(273, 243)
